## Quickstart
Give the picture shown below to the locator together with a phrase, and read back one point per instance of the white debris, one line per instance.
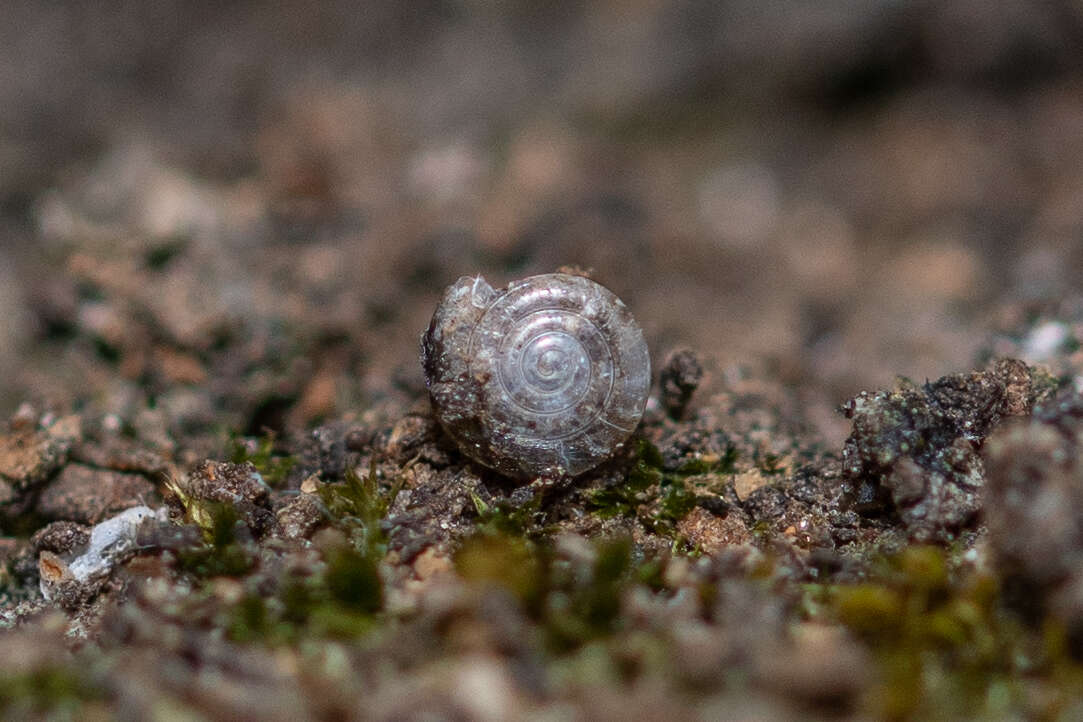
(1044, 340)
(110, 541)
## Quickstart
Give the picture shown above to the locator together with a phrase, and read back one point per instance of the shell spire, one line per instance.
(546, 377)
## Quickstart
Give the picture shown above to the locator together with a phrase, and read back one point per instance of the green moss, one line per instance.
(572, 604)
(648, 454)
(353, 580)
(56, 691)
(726, 464)
(695, 466)
(650, 573)
(272, 466)
(676, 501)
(205, 514)
(503, 517)
(579, 609)
(506, 561)
(358, 506)
(223, 552)
(332, 621)
(248, 620)
(770, 464)
(944, 643)
(868, 608)
(342, 601)
(658, 498)
(624, 499)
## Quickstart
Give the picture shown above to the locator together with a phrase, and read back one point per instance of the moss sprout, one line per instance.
(272, 466)
(358, 506)
(224, 551)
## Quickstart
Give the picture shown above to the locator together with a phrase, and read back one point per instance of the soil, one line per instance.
(850, 232)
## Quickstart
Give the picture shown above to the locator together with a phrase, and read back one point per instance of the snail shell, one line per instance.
(546, 377)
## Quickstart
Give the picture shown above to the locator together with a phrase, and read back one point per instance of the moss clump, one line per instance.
(54, 692)
(353, 580)
(573, 602)
(272, 466)
(626, 498)
(504, 517)
(675, 502)
(226, 549)
(341, 599)
(581, 611)
(340, 602)
(659, 499)
(358, 506)
(720, 465)
(510, 562)
(945, 645)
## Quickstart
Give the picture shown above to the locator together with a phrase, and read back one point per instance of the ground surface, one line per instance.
(222, 230)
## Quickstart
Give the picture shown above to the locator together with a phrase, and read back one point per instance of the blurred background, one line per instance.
(242, 214)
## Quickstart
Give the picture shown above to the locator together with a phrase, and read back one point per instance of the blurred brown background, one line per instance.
(242, 214)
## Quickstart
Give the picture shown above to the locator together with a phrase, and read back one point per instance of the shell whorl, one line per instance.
(544, 378)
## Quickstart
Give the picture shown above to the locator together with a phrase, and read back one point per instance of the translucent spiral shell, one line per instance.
(546, 377)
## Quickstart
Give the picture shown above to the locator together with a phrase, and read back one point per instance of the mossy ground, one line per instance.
(224, 226)
(694, 565)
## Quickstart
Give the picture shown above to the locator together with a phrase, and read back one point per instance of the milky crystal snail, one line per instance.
(544, 378)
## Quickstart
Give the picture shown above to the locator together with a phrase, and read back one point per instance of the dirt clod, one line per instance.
(679, 378)
(238, 486)
(301, 516)
(1032, 504)
(60, 537)
(85, 495)
(914, 451)
(29, 457)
